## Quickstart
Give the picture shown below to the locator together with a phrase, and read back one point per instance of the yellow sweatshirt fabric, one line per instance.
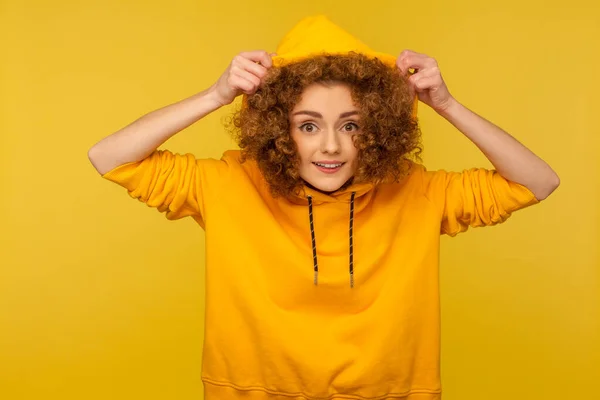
(273, 334)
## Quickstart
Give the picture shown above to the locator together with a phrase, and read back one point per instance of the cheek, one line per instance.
(354, 157)
(304, 149)
(352, 151)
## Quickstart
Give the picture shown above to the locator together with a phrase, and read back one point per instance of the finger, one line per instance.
(425, 83)
(250, 66)
(244, 85)
(408, 52)
(411, 53)
(258, 56)
(416, 61)
(401, 60)
(255, 80)
(425, 73)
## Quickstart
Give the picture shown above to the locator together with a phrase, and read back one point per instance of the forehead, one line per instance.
(327, 96)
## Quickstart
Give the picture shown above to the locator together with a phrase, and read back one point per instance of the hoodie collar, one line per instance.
(341, 196)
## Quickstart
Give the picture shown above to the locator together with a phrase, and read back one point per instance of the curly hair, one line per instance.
(389, 136)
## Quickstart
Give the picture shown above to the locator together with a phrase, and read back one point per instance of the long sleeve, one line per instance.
(474, 198)
(172, 183)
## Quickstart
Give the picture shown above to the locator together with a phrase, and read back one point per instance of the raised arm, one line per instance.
(510, 158)
(139, 139)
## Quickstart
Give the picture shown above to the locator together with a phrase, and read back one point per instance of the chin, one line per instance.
(327, 188)
(327, 185)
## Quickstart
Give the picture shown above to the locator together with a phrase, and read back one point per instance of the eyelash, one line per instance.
(301, 127)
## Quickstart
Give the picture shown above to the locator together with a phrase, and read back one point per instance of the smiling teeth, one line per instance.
(332, 166)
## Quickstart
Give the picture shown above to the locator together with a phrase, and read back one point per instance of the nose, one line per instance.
(330, 142)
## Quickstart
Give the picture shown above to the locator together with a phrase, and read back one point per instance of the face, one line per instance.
(323, 125)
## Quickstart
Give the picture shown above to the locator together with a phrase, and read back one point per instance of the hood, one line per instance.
(318, 35)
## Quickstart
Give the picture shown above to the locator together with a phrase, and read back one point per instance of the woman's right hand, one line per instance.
(243, 75)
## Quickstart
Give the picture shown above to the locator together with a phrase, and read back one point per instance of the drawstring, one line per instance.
(351, 241)
(314, 241)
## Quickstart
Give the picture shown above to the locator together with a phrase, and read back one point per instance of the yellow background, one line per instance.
(102, 298)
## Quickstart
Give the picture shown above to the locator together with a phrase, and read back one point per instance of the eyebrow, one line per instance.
(318, 115)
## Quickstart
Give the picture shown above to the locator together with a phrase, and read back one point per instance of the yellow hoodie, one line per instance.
(273, 334)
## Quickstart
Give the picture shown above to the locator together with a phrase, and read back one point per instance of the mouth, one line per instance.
(329, 167)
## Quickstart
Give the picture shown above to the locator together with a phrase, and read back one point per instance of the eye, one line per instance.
(308, 127)
(350, 127)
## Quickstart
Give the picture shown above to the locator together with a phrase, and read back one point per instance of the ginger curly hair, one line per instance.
(389, 136)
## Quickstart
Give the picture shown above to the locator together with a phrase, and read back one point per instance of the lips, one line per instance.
(329, 167)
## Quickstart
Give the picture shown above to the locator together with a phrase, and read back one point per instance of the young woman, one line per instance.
(322, 232)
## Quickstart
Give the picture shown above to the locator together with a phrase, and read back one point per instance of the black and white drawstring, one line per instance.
(351, 236)
(314, 241)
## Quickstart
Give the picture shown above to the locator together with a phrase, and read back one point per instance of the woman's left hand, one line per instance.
(426, 81)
